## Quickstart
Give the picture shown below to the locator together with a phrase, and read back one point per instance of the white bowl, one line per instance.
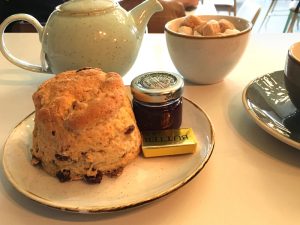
(206, 59)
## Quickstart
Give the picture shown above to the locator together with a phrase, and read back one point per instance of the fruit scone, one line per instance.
(84, 126)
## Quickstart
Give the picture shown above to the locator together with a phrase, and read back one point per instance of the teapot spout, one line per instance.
(142, 13)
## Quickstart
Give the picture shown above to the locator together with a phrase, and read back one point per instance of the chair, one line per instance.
(269, 12)
(225, 5)
(172, 9)
(203, 9)
(249, 10)
(22, 26)
(293, 16)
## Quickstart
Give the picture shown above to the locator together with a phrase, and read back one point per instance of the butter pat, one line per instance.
(169, 142)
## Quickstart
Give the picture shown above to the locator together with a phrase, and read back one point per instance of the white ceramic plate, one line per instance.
(267, 102)
(142, 181)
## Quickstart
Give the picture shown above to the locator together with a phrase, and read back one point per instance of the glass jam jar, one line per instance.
(157, 100)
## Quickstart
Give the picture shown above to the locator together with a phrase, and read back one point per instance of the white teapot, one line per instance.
(87, 33)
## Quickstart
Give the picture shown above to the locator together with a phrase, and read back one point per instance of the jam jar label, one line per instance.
(157, 81)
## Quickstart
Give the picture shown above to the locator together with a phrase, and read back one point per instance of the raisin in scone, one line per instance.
(84, 126)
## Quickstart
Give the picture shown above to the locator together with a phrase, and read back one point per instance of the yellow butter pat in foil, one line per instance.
(169, 142)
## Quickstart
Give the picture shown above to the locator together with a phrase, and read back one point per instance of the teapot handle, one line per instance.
(18, 62)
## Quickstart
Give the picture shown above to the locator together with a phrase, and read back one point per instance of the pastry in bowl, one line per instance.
(84, 126)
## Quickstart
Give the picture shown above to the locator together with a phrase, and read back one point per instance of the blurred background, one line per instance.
(274, 15)
(271, 16)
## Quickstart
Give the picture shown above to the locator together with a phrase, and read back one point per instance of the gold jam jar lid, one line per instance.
(157, 87)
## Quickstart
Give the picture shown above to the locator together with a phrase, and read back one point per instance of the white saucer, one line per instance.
(142, 181)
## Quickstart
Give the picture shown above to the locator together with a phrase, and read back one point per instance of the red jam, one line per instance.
(158, 116)
(157, 101)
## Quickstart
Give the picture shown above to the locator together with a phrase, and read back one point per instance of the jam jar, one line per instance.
(157, 100)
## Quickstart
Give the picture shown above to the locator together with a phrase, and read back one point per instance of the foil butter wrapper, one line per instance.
(169, 142)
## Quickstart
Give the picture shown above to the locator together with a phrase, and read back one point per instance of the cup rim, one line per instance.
(247, 30)
(292, 56)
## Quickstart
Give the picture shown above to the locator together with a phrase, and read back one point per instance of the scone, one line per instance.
(84, 126)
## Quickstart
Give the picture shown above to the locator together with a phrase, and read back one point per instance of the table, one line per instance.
(251, 177)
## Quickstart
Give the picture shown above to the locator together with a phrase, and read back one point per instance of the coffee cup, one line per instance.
(292, 74)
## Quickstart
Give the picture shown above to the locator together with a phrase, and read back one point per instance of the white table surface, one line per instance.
(251, 177)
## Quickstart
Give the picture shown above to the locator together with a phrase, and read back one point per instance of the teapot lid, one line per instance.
(86, 6)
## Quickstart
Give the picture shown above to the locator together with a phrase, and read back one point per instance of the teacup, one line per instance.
(292, 74)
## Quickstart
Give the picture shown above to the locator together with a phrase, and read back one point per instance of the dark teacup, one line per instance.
(292, 74)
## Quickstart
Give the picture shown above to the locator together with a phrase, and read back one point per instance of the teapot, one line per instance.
(86, 33)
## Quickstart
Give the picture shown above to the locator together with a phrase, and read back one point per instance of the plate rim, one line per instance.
(78, 209)
(259, 122)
